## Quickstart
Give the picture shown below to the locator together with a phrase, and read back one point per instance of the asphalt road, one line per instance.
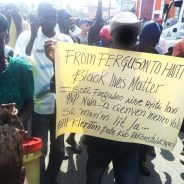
(165, 167)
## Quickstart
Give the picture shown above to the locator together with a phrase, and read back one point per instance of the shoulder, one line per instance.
(19, 63)
(76, 30)
(26, 33)
(8, 51)
(25, 25)
(23, 38)
(180, 41)
(64, 38)
(77, 35)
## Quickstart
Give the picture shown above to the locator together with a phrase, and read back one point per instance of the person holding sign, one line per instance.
(124, 29)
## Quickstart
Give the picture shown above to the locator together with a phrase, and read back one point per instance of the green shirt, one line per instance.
(16, 83)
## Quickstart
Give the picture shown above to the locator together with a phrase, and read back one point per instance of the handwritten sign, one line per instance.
(119, 95)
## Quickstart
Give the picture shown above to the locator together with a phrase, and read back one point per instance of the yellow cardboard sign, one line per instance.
(119, 95)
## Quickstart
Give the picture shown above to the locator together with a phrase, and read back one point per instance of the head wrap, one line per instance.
(150, 33)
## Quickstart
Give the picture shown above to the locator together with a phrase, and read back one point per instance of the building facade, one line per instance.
(150, 9)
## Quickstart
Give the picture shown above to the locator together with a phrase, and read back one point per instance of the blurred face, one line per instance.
(48, 19)
(85, 27)
(65, 21)
(125, 37)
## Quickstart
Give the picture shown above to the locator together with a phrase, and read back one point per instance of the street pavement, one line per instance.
(165, 167)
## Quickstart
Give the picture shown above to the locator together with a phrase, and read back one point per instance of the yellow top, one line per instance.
(13, 32)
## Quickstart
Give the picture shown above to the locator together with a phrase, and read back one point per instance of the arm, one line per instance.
(90, 36)
(29, 46)
(26, 111)
(27, 93)
(50, 53)
(96, 27)
(99, 12)
(34, 31)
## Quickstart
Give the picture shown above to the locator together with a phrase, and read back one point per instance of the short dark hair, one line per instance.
(44, 6)
(63, 13)
(10, 155)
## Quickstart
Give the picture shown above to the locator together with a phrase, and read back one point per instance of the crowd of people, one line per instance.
(27, 89)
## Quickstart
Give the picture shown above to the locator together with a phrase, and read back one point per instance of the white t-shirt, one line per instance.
(42, 68)
(162, 42)
(159, 49)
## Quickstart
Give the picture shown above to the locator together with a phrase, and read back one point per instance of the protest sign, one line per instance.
(119, 95)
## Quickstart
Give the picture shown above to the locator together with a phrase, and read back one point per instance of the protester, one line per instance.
(124, 29)
(94, 30)
(16, 23)
(44, 116)
(16, 80)
(148, 39)
(65, 23)
(82, 37)
(105, 38)
(74, 27)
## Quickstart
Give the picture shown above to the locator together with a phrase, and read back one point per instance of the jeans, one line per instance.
(143, 152)
(40, 126)
(125, 168)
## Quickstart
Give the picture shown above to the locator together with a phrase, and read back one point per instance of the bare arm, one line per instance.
(29, 46)
(34, 31)
(99, 11)
(26, 111)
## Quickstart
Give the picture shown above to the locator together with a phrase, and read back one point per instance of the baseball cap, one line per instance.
(124, 19)
(83, 21)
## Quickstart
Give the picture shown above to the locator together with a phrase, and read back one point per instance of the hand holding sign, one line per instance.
(50, 50)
